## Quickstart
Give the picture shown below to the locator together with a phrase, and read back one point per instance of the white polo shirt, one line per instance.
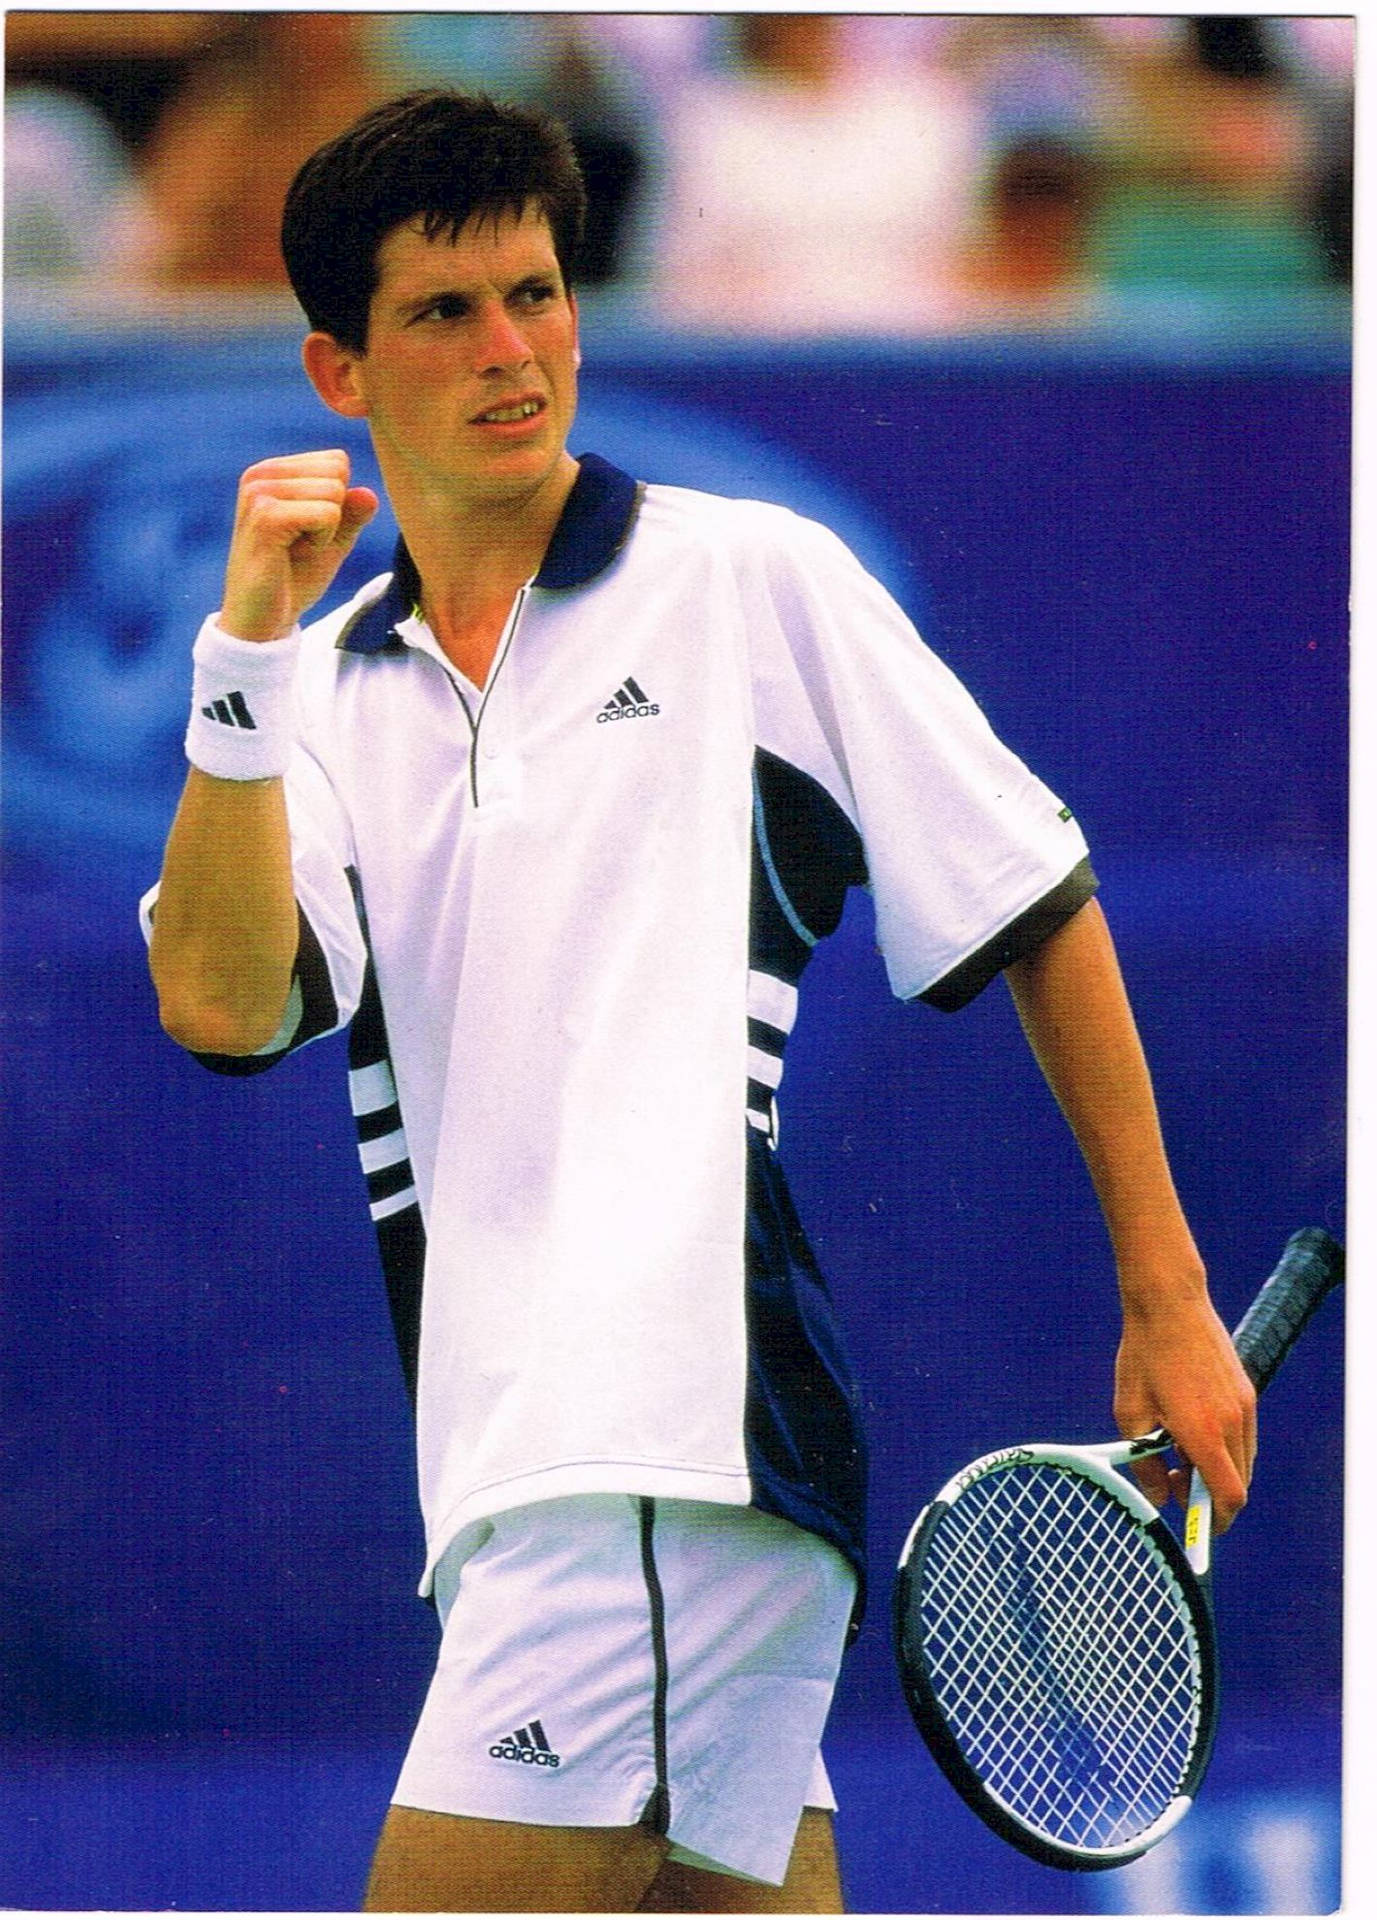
(566, 915)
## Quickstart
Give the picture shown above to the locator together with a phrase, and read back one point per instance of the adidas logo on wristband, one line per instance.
(246, 733)
(232, 711)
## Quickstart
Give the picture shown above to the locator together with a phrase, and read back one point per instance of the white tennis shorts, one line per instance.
(609, 1659)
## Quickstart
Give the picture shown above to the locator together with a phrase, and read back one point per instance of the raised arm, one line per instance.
(1176, 1364)
(225, 929)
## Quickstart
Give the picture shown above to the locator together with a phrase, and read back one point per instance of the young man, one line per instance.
(552, 816)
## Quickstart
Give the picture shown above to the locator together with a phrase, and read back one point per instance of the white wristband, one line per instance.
(241, 704)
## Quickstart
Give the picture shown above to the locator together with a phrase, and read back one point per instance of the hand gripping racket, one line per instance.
(1057, 1644)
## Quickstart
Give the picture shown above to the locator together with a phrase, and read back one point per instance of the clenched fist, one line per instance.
(294, 523)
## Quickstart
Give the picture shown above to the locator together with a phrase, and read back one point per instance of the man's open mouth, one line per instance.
(505, 416)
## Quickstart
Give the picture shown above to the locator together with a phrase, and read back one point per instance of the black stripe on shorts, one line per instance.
(657, 1810)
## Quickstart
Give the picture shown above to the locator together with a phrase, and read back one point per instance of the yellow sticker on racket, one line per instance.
(1193, 1523)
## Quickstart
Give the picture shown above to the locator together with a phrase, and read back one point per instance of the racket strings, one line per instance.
(1062, 1654)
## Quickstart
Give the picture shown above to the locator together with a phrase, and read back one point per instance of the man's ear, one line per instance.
(578, 351)
(336, 373)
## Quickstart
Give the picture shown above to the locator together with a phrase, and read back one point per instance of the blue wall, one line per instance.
(1140, 568)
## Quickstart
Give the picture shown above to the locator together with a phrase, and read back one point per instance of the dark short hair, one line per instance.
(439, 155)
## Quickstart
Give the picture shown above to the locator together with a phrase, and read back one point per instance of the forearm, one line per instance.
(225, 930)
(1176, 1366)
(1075, 1012)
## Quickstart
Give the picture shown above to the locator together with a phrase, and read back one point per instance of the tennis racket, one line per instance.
(1056, 1641)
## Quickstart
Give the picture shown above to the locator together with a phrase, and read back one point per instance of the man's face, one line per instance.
(469, 377)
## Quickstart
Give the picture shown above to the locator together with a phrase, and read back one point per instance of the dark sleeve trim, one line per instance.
(319, 1012)
(1021, 937)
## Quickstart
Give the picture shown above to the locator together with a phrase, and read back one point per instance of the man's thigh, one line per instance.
(449, 1863)
(813, 1884)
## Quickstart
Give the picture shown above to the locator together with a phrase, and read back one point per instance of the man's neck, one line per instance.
(472, 559)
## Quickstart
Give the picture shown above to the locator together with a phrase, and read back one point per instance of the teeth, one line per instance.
(523, 412)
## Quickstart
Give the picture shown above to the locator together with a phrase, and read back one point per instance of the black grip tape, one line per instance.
(1311, 1266)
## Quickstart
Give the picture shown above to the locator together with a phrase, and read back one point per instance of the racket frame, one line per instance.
(1311, 1266)
(1103, 1465)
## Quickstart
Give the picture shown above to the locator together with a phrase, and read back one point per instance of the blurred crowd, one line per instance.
(748, 173)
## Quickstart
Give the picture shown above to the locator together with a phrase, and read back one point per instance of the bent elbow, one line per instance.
(212, 1026)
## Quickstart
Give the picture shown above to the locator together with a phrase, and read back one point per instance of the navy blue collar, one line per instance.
(589, 534)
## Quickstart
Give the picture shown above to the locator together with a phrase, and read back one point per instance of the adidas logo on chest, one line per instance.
(628, 703)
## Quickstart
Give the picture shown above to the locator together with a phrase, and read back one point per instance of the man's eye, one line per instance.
(537, 293)
(448, 308)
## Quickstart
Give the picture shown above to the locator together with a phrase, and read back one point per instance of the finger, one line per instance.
(359, 506)
(282, 523)
(1241, 1441)
(1228, 1490)
(356, 510)
(261, 502)
(1152, 1476)
(330, 463)
(295, 486)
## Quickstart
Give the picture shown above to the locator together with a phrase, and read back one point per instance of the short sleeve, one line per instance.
(971, 860)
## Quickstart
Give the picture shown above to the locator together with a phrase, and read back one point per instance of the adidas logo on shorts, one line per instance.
(527, 1746)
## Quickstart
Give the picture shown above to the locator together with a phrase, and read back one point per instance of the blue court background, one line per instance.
(1138, 561)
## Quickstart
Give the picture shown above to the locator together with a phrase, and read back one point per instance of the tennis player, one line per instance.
(551, 816)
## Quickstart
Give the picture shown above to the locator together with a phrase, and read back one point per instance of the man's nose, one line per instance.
(501, 344)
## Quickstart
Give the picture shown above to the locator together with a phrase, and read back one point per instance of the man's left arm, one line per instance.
(1176, 1364)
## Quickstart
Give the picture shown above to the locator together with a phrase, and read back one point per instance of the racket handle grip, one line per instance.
(1310, 1267)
